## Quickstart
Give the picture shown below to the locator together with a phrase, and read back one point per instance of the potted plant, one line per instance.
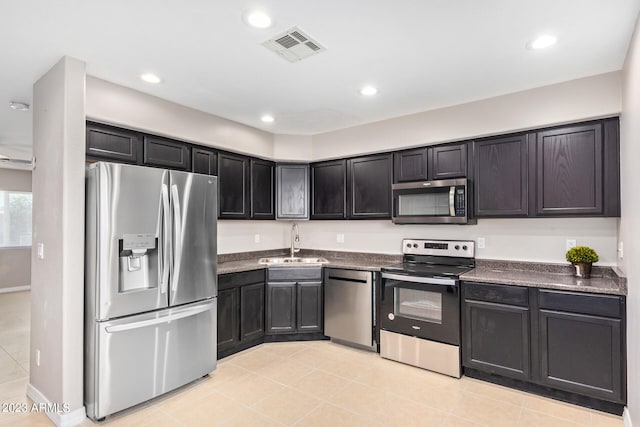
(582, 257)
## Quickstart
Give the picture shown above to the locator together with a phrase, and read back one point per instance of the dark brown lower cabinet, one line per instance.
(294, 301)
(240, 311)
(497, 338)
(567, 345)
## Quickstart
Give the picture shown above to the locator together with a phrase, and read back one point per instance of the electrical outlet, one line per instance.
(481, 242)
(570, 243)
(40, 250)
(256, 238)
(37, 357)
(340, 238)
(620, 250)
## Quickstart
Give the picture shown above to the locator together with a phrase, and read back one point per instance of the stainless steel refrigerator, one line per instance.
(150, 285)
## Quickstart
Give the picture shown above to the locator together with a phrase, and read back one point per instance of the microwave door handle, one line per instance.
(452, 200)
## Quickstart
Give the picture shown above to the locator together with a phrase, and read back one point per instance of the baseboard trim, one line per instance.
(60, 419)
(15, 289)
(626, 417)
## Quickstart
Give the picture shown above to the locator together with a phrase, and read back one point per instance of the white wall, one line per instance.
(239, 236)
(57, 288)
(542, 240)
(590, 97)
(111, 103)
(292, 147)
(630, 221)
(15, 263)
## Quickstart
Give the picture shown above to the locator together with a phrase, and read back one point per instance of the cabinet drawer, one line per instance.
(599, 305)
(290, 274)
(232, 280)
(505, 294)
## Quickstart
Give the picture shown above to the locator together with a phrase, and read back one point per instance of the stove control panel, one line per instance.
(451, 248)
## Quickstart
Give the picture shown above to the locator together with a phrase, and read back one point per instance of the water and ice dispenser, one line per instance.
(139, 268)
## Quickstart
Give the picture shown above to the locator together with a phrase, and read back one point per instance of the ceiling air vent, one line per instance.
(294, 45)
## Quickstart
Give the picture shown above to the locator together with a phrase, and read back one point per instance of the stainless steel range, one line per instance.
(420, 312)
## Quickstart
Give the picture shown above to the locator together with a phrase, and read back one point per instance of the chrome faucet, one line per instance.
(295, 238)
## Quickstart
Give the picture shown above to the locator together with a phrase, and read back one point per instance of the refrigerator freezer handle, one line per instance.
(166, 238)
(191, 311)
(177, 242)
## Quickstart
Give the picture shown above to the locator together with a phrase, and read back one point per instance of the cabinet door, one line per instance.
(369, 191)
(448, 161)
(233, 182)
(204, 161)
(292, 191)
(281, 308)
(251, 312)
(310, 307)
(228, 317)
(569, 171)
(262, 189)
(111, 143)
(496, 339)
(582, 354)
(410, 165)
(166, 153)
(501, 177)
(328, 190)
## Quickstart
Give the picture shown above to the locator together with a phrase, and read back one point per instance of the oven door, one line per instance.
(422, 307)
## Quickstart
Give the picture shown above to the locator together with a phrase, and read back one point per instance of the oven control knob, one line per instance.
(391, 316)
(457, 247)
(415, 245)
(464, 248)
(408, 245)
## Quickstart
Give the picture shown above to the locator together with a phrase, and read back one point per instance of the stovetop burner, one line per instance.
(434, 258)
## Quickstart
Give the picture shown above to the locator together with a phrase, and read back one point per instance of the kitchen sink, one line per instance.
(293, 261)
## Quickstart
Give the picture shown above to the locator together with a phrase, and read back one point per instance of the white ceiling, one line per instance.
(421, 54)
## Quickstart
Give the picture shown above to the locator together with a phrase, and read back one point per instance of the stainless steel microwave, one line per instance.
(444, 201)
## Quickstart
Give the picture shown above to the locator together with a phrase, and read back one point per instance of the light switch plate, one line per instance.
(256, 238)
(40, 250)
(340, 238)
(481, 242)
(571, 243)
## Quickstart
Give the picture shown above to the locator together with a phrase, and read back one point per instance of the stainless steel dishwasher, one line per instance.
(348, 306)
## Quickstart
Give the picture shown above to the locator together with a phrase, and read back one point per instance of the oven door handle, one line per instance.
(417, 279)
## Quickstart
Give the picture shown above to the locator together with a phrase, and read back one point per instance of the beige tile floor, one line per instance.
(312, 384)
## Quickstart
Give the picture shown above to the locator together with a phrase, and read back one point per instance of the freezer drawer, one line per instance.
(140, 357)
(348, 306)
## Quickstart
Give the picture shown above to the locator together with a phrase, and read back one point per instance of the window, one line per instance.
(15, 218)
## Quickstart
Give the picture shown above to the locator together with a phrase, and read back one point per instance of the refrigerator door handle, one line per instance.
(191, 311)
(166, 239)
(177, 243)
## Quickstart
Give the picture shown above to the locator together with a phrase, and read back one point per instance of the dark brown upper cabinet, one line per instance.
(292, 191)
(204, 161)
(233, 183)
(166, 153)
(111, 143)
(262, 189)
(410, 165)
(328, 189)
(501, 177)
(577, 170)
(447, 161)
(369, 187)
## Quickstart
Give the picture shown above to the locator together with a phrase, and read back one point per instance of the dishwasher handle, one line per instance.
(348, 279)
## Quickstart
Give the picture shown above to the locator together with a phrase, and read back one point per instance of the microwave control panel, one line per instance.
(460, 202)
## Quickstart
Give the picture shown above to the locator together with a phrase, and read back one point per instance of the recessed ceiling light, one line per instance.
(20, 106)
(258, 19)
(542, 42)
(150, 78)
(267, 118)
(368, 91)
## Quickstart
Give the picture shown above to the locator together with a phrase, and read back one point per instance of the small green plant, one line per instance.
(582, 254)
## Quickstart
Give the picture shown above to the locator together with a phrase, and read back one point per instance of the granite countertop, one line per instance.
(235, 263)
(604, 280)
